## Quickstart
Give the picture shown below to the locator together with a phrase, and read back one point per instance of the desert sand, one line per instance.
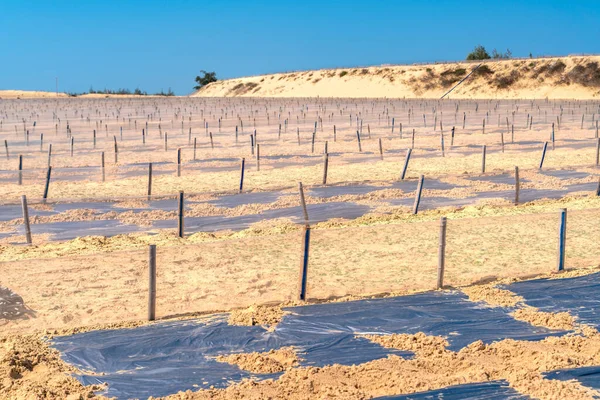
(95, 282)
(511, 79)
(29, 94)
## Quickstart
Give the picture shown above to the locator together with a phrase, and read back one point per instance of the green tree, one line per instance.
(501, 56)
(478, 53)
(205, 79)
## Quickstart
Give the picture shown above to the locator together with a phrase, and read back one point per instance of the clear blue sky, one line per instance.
(155, 45)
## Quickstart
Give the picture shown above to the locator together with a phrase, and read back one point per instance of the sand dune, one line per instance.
(573, 77)
(28, 94)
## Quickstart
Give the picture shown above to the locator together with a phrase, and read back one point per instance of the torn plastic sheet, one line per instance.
(587, 376)
(164, 358)
(494, 390)
(580, 296)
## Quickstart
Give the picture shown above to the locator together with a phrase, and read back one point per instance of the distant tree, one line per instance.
(501, 56)
(162, 93)
(478, 53)
(205, 79)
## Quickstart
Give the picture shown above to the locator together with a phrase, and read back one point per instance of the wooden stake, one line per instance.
(483, 151)
(242, 164)
(543, 154)
(325, 167)
(418, 195)
(116, 150)
(26, 219)
(303, 202)
(562, 236)
(441, 254)
(47, 186)
(406, 160)
(102, 165)
(258, 157)
(180, 228)
(149, 180)
(151, 282)
(304, 262)
(20, 178)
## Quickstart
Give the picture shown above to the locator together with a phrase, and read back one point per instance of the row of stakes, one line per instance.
(305, 252)
(253, 138)
(254, 145)
(255, 150)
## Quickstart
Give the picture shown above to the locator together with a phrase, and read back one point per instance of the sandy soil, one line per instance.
(78, 282)
(98, 283)
(29, 369)
(520, 363)
(256, 315)
(263, 363)
(534, 78)
(28, 94)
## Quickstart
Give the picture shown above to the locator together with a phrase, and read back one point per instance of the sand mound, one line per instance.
(256, 315)
(263, 363)
(562, 320)
(492, 295)
(420, 343)
(554, 78)
(29, 369)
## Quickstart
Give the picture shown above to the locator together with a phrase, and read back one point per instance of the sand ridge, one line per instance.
(553, 78)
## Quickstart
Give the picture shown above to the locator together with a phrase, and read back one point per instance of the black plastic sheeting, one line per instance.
(587, 376)
(580, 296)
(75, 229)
(565, 174)
(507, 179)
(405, 185)
(495, 390)
(12, 306)
(14, 211)
(234, 200)
(165, 358)
(316, 212)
